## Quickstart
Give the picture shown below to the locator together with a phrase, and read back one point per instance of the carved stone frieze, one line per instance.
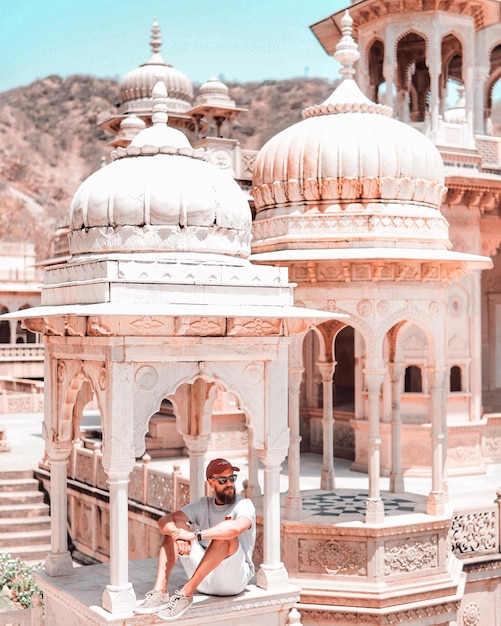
(201, 326)
(147, 324)
(474, 532)
(443, 611)
(332, 557)
(255, 326)
(410, 555)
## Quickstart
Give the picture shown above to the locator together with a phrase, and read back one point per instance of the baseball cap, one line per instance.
(217, 466)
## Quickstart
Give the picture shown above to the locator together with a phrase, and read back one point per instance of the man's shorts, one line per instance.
(228, 579)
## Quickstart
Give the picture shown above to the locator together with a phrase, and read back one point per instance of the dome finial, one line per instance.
(159, 96)
(156, 40)
(347, 50)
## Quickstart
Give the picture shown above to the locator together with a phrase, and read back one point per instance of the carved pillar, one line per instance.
(118, 461)
(253, 489)
(58, 561)
(396, 474)
(13, 331)
(327, 476)
(293, 501)
(119, 595)
(197, 447)
(389, 76)
(275, 445)
(438, 417)
(434, 68)
(375, 507)
(272, 572)
(480, 76)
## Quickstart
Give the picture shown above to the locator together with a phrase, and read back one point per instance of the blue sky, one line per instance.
(233, 39)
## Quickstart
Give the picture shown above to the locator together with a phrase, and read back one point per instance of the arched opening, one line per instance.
(413, 382)
(4, 327)
(413, 76)
(455, 382)
(375, 62)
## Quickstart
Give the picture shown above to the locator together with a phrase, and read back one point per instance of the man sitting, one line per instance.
(213, 538)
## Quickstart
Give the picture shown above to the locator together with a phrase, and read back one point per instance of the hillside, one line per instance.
(50, 142)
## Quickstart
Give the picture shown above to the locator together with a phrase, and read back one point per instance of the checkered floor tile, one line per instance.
(333, 504)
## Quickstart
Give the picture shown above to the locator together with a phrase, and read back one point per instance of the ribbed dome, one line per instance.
(214, 92)
(160, 195)
(137, 85)
(378, 178)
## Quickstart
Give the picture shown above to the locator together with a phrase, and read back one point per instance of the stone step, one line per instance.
(9, 474)
(39, 522)
(13, 498)
(30, 554)
(18, 484)
(9, 540)
(36, 509)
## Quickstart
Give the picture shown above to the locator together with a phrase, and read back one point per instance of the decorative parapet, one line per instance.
(475, 532)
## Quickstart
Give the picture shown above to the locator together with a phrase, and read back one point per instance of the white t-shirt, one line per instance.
(205, 513)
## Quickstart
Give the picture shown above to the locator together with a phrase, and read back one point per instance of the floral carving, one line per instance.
(411, 555)
(146, 378)
(332, 557)
(474, 532)
(471, 614)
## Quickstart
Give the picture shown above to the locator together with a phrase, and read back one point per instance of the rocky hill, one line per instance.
(50, 142)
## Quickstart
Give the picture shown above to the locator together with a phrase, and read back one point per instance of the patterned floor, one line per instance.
(353, 504)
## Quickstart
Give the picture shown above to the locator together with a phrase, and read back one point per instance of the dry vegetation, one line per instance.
(50, 142)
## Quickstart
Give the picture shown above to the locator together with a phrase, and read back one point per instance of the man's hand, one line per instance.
(183, 547)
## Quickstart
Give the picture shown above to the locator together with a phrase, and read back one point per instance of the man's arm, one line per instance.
(228, 529)
(172, 522)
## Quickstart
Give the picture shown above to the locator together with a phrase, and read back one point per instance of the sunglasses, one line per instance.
(222, 480)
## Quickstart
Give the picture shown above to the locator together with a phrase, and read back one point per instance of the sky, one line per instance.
(235, 40)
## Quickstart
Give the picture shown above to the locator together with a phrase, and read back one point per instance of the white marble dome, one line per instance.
(354, 173)
(136, 86)
(160, 195)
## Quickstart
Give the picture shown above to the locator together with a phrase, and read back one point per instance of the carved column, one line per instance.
(253, 488)
(481, 74)
(293, 501)
(327, 476)
(375, 507)
(58, 561)
(119, 595)
(396, 474)
(197, 447)
(438, 417)
(272, 572)
(434, 67)
(118, 461)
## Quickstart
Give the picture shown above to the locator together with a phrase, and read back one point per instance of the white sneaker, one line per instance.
(178, 605)
(152, 603)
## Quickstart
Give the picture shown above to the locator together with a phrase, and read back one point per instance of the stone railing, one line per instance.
(475, 532)
(21, 352)
(148, 486)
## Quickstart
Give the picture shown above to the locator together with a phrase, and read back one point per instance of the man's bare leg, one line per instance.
(169, 552)
(217, 551)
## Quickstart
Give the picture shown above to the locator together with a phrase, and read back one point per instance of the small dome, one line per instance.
(457, 113)
(348, 158)
(214, 92)
(136, 86)
(160, 195)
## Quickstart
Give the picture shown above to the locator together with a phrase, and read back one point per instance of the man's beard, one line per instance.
(226, 497)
